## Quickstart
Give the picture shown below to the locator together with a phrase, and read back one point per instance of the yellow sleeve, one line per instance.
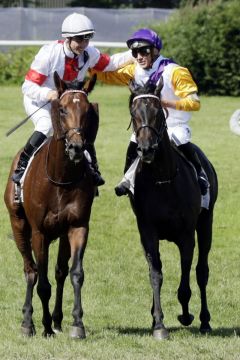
(185, 87)
(121, 76)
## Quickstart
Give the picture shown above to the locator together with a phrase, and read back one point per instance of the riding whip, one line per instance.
(25, 120)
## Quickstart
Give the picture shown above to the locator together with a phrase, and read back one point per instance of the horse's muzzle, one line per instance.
(146, 154)
(75, 152)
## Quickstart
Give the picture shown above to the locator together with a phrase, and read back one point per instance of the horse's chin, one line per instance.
(147, 157)
(146, 161)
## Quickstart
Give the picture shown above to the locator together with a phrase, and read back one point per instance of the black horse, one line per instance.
(167, 205)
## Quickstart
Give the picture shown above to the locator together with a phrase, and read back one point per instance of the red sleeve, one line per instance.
(35, 77)
(102, 62)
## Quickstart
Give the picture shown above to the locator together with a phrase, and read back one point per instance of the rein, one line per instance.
(54, 181)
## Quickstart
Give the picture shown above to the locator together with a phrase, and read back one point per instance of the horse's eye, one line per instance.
(63, 111)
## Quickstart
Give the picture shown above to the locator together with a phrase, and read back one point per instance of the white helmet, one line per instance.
(77, 24)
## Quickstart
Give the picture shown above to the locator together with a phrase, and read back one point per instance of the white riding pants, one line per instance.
(180, 134)
(42, 118)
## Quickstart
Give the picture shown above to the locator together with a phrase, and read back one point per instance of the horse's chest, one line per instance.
(73, 210)
(166, 214)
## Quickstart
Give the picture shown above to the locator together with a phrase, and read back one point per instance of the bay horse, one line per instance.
(167, 205)
(58, 193)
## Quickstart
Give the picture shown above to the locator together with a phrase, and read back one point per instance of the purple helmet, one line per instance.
(144, 37)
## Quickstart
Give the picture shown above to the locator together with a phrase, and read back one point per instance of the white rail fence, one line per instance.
(103, 44)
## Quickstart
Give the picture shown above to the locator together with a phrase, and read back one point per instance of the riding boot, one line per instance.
(93, 166)
(123, 187)
(31, 146)
(192, 156)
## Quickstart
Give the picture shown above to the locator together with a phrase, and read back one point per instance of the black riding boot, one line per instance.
(31, 146)
(93, 166)
(123, 188)
(192, 156)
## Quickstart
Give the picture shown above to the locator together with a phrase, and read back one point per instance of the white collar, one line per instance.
(67, 51)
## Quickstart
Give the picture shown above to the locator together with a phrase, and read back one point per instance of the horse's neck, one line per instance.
(59, 166)
(165, 159)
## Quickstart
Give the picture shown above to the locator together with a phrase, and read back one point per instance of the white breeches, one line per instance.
(42, 118)
(180, 134)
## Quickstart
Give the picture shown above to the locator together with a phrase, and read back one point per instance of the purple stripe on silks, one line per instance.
(158, 73)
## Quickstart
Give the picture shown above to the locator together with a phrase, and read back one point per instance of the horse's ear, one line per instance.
(159, 87)
(59, 83)
(89, 86)
(132, 86)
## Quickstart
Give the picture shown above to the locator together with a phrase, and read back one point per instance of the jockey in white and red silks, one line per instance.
(71, 58)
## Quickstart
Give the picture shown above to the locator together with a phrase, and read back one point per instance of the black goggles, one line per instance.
(143, 51)
(80, 38)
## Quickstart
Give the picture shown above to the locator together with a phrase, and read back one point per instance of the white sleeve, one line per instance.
(104, 62)
(34, 91)
(40, 67)
(120, 60)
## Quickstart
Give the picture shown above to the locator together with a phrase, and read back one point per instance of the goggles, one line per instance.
(143, 51)
(80, 38)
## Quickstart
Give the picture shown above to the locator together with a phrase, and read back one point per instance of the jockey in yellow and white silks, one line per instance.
(71, 58)
(178, 95)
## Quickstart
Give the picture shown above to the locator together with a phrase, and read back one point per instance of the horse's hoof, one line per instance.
(77, 332)
(186, 320)
(205, 329)
(161, 334)
(28, 331)
(57, 329)
(48, 333)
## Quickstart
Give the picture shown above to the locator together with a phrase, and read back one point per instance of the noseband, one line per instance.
(158, 133)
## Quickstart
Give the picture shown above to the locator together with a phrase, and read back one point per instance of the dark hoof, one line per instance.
(77, 332)
(186, 320)
(28, 331)
(48, 333)
(205, 329)
(161, 334)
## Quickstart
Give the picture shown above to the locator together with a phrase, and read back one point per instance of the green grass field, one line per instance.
(116, 294)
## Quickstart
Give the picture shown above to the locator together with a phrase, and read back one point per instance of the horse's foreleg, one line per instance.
(204, 235)
(61, 272)
(41, 249)
(151, 250)
(22, 236)
(78, 241)
(186, 248)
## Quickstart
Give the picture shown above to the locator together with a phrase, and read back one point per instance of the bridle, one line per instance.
(75, 130)
(158, 132)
